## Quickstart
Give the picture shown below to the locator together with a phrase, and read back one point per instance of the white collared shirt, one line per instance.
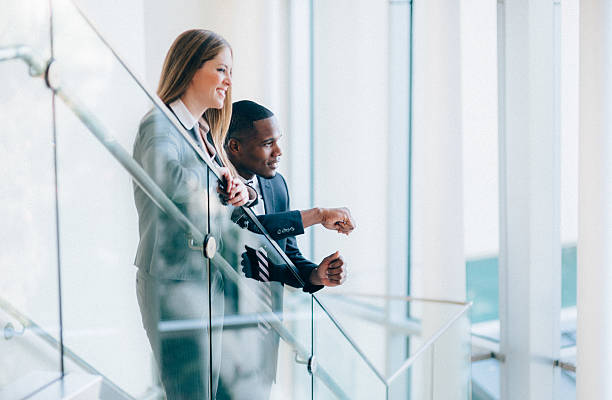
(188, 120)
(260, 207)
(183, 114)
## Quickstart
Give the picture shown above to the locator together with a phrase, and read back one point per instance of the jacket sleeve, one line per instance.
(278, 225)
(283, 224)
(304, 267)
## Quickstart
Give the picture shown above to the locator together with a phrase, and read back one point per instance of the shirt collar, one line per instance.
(248, 181)
(182, 113)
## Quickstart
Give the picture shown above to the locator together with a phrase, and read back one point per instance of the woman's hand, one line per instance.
(232, 190)
(239, 194)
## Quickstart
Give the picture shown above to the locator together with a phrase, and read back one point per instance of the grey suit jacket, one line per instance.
(177, 169)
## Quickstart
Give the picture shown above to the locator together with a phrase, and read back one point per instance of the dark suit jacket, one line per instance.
(281, 223)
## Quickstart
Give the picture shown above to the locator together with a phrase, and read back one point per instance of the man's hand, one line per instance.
(330, 272)
(337, 219)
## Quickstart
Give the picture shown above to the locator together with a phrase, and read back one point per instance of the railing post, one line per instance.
(529, 176)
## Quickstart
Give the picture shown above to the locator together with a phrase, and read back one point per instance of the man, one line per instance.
(252, 147)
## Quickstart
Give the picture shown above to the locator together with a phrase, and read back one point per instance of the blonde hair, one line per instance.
(190, 50)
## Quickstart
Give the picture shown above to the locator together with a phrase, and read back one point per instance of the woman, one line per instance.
(172, 279)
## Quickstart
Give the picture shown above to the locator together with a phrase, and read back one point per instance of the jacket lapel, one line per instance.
(268, 195)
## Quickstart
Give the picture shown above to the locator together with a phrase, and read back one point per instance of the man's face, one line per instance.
(258, 152)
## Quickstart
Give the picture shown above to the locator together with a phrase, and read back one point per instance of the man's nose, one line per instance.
(277, 150)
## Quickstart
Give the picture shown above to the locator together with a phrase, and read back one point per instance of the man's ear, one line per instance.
(233, 146)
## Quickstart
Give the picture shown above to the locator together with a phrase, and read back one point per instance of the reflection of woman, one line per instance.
(172, 279)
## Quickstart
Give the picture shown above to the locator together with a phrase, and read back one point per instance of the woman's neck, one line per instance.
(196, 109)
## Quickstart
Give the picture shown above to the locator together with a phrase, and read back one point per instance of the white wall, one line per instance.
(479, 123)
(350, 125)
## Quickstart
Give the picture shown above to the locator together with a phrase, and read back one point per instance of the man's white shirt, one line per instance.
(260, 207)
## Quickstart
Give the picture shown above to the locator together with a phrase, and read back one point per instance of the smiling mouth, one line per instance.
(273, 164)
(221, 92)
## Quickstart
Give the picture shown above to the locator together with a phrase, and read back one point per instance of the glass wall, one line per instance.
(360, 144)
(29, 287)
(98, 220)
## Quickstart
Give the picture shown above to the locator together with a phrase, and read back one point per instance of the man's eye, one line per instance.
(221, 70)
(268, 144)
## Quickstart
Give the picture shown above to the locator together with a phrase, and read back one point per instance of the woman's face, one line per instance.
(212, 81)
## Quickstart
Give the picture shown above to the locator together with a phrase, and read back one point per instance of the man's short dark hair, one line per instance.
(244, 113)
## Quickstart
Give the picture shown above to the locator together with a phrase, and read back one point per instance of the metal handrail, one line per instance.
(400, 298)
(37, 65)
(567, 366)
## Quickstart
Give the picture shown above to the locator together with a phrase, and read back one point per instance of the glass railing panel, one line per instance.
(416, 381)
(402, 323)
(352, 374)
(291, 368)
(137, 327)
(406, 330)
(256, 322)
(439, 366)
(362, 318)
(434, 317)
(29, 292)
(452, 361)
(104, 328)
